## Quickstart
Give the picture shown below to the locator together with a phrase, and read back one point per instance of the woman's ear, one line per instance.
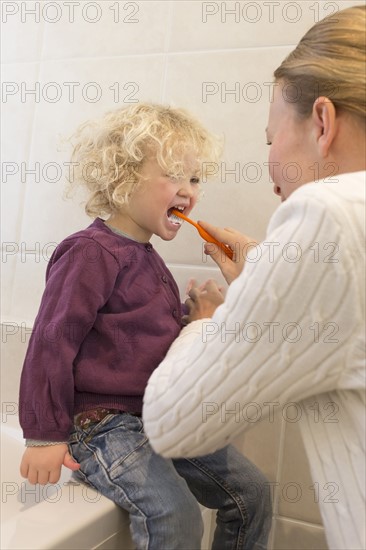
(324, 119)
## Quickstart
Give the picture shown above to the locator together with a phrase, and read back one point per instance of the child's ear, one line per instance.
(324, 119)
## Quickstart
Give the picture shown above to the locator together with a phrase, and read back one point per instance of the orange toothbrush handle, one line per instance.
(206, 236)
(210, 239)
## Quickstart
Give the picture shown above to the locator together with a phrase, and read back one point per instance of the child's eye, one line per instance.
(195, 180)
(269, 142)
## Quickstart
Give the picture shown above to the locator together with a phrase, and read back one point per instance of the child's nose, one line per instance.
(187, 189)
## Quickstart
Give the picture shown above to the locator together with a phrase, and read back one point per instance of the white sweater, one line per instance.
(292, 329)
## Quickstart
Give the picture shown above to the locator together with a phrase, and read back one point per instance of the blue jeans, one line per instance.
(162, 495)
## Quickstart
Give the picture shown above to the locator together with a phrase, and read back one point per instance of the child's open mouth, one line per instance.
(172, 217)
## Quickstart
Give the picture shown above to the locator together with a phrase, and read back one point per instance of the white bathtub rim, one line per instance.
(67, 515)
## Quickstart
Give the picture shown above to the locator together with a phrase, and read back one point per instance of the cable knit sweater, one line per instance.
(291, 337)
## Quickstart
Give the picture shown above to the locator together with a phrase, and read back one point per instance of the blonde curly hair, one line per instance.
(109, 153)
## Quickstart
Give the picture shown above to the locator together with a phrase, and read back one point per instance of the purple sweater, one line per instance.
(109, 312)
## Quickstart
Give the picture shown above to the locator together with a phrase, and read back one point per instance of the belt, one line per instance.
(84, 419)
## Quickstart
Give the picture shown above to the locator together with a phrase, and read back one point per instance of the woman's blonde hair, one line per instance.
(328, 61)
(109, 153)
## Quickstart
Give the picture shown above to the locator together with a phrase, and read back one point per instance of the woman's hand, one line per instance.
(43, 464)
(203, 300)
(239, 243)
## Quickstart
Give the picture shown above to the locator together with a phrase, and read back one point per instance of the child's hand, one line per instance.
(203, 300)
(239, 243)
(43, 464)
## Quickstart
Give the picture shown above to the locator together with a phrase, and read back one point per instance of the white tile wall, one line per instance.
(17, 132)
(21, 32)
(230, 25)
(108, 29)
(213, 58)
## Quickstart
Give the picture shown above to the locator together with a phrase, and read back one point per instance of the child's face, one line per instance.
(149, 206)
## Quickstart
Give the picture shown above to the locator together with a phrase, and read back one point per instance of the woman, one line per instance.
(292, 326)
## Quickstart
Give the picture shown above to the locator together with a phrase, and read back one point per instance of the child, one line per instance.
(108, 315)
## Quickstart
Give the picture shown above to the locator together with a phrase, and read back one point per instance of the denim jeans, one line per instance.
(162, 495)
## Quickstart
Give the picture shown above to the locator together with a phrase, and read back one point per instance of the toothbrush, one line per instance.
(206, 236)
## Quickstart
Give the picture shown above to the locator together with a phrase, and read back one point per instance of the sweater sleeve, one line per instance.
(80, 278)
(280, 336)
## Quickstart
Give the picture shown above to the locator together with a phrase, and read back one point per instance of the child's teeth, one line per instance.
(175, 219)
